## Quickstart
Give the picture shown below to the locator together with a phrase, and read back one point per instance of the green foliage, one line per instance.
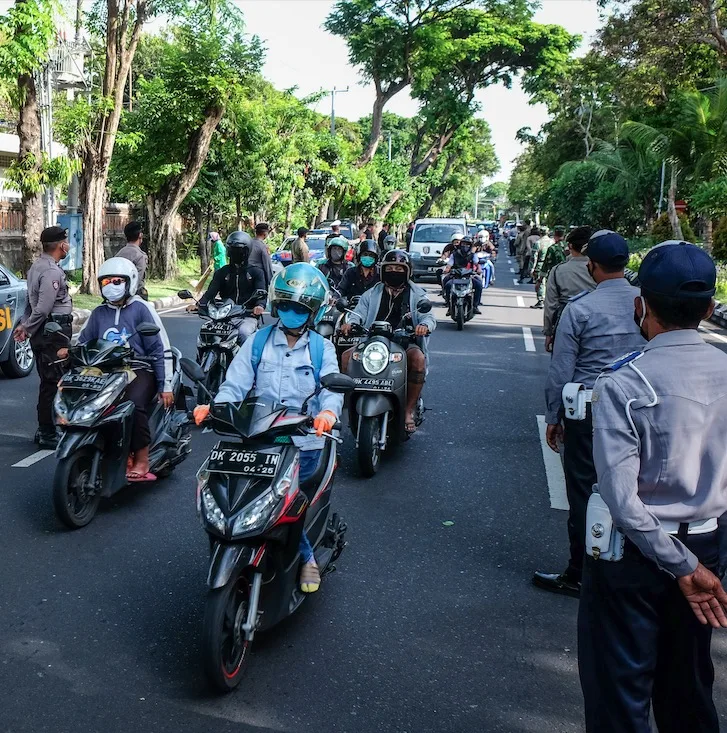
(26, 34)
(719, 240)
(661, 231)
(31, 175)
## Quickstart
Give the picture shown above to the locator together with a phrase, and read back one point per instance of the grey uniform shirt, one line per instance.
(571, 279)
(137, 257)
(260, 257)
(663, 461)
(47, 293)
(594, 330)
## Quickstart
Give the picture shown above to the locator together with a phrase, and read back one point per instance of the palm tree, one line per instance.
(695, 146)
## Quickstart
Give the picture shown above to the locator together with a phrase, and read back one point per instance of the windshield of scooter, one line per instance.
(255, 417)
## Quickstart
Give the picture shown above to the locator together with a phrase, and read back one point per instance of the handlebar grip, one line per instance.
(337, 425)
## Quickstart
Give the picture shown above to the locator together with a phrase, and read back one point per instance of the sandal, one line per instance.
(135, 477)
(410, 427)
(310, 578)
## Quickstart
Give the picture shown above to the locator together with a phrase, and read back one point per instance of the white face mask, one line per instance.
(113, 293)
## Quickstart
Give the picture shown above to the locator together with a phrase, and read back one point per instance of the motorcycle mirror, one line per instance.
(191, 370)
(147, 329)
(51, 328)
(185, 295)
(424, 306)
(341, 305)
(339, 383)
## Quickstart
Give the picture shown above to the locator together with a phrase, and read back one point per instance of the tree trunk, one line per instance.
(419, 168)
(377, 116)
(676, 225)
(384, 211)
(94, 187)
(30, 152)
(238, 212)
(708, 227)
(322, 210)
(163, 232)
(289, 210)
(204, 252)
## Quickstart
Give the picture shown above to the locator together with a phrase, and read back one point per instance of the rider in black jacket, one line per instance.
(239, 282)
(357, 280)
(335, 264)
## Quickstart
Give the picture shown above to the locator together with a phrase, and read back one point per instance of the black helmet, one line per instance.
(238, 247)
(368, 246)
(396, 257)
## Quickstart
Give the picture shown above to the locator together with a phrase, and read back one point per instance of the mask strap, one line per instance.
(643, 310)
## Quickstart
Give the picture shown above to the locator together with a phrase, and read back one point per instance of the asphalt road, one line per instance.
(425, 627)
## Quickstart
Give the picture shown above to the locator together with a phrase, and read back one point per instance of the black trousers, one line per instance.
(511, 246)
(45, 349)
(141, 392)
(639, 641)
(580, 475)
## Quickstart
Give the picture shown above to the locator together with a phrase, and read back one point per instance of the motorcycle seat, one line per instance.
(311, 484)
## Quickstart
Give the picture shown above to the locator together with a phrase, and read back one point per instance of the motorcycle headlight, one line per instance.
(212, 512)
(219, 313)
(87, 412)
(203, 477)
(375, 357)
(255, 514)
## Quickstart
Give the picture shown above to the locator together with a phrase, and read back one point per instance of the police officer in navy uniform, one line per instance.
(48, 300)
(659, 418)
(594, 330)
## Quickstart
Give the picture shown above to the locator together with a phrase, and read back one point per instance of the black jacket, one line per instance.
(334, 271)
(236, 283)
(354, 283)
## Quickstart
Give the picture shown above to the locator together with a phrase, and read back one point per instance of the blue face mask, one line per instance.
(368, 261)
(292, 320)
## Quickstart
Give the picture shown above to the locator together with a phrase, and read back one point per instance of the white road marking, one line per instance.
(512, 269)
(553, 470)
(515, 280)
(520, 301)
(528, 338)
(34, 458)
(714, 334)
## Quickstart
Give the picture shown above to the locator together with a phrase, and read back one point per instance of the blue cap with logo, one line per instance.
(607, 248)
(678, 270)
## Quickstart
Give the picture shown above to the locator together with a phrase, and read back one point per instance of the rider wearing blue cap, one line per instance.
(659, 418)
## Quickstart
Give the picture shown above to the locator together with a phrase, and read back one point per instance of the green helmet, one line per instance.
(300, 283)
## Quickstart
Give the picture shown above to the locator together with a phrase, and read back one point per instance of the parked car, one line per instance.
(427, 241)
(283, 255)
(16, 359)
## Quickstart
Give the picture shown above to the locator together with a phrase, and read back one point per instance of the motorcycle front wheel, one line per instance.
(460, 316)
(74, 501)
(369, 452)
(224, 647)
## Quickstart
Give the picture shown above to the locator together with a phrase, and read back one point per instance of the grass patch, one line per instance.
(188, 271)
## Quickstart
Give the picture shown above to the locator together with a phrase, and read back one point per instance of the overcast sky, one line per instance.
(301, 54)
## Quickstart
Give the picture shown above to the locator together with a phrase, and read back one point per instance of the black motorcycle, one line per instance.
(96, 421)
(377, 407)
(254, 510)
(326, 327)
(341, 342)
(217, 343)
(461, 297)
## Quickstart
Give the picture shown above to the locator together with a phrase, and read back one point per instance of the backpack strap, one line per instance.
(315, 347)
(258, 346)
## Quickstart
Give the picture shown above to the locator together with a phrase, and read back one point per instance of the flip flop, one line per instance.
(138, 478)
(410, 427)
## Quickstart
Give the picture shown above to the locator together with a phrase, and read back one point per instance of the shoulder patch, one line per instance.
(623, 360)
(56, 284)
(578, 296)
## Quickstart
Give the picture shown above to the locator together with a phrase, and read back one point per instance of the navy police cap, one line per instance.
(678, 270)
(607, 248)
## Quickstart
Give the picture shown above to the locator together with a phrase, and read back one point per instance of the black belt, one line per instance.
(62, 319)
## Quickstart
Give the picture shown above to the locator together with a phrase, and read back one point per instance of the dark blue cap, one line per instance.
(607, 248)
(678, 270)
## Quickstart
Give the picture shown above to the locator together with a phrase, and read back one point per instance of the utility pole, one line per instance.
(389, 146)
(333, 93)
(661, 188)
(477, 200)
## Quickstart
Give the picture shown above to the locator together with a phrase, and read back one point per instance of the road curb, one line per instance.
(81, 315)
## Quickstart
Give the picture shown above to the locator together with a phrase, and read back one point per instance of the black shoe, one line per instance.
(477, 311)
(520, 281)
(47, 439)
(448, 313)
(557, 583)
(531, 281)
(539, 304)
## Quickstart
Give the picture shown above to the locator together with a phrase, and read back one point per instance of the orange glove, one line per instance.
(324, 422)
(200, 413)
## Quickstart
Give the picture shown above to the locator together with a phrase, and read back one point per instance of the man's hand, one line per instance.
(705, 594)
(20, 334)
(200, 413)
(554, 435)
(167, 399)
(192, 308)
(421, 330)
(549, 340)
(324, 422)
(62, 353)
(346, 328)
(258, 310)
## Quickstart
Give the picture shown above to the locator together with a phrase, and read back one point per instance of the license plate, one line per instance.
(347, 340)
(374, 384)
(243, 462)
(83, 381)
(218, 328)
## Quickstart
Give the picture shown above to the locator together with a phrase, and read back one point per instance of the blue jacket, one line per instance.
(114, 323)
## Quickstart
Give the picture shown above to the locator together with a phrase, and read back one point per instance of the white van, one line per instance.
(427, 241)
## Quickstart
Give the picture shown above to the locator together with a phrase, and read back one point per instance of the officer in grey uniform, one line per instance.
(48, 300)
(594, 330)
(659, 418)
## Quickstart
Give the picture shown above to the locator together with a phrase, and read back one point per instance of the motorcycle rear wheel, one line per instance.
(74, 506)
(224, 648)
(460, 316)
(369, 452)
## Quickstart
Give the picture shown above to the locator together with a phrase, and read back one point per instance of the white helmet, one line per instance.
(457, 236)
(120, 267)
